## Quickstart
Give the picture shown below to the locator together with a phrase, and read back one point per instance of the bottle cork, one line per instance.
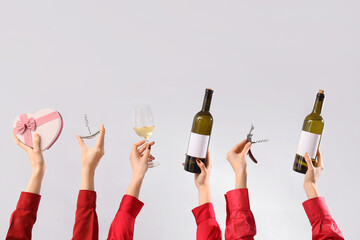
(321, 91)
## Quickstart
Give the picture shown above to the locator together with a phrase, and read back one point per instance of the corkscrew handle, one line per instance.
(252, 156)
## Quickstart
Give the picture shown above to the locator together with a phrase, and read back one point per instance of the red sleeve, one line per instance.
(24, 217)
(122, 227)
(207, 226)
(323, 226)
(86, 222)
(240, 222)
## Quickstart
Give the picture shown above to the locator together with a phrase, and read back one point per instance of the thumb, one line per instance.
(308, 161)
(81, 142)
(36, 142)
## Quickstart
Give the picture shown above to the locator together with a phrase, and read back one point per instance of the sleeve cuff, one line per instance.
(86, 199)
(316, 208)
(29, 201)
(238, 199)
(131, 205)
(203, 212)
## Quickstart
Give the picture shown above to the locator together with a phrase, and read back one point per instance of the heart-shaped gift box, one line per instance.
(47, 122)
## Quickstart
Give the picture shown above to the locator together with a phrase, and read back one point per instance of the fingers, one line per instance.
(143, 148)
(320, 161)
(136, 145)
(151, 158)
(238, 147)
(246, 149)
(20, 143)
(101, 137)
(37, 141)
(81, 142)
(146, 153)
(201, 166)
(308, 161)
(207, 159)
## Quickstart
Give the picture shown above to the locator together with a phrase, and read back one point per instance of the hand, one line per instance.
(237, 156)
(90, 157)
(37, 162)
(312, 175)
(237, 160)
(202, 179)
(35, 154)
(139, 158)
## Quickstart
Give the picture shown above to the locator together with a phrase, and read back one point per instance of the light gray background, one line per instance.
(264, 59)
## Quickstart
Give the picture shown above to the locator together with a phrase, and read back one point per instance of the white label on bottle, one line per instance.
(309, 143)
(198, 145)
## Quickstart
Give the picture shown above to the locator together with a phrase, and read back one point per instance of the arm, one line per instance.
(323, 225)
(240, 222)
(122, 227)
(86, 225)
(24, 217)
(207, 226)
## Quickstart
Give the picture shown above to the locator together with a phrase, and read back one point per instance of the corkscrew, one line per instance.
(90, 136)
(249, 139)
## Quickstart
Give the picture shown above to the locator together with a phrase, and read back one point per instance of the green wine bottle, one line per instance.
(310, 136)
(200, 135)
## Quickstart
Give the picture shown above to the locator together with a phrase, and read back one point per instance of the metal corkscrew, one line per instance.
(249, 139)
(90, 136)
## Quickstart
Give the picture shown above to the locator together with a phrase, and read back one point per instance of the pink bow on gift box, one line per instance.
(25, 125)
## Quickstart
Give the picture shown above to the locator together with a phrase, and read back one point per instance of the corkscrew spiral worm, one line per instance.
(87, 123)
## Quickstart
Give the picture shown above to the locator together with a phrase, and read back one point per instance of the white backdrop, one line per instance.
(265, 60)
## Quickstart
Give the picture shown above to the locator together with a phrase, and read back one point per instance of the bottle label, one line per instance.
(309, 143)
(198, 145)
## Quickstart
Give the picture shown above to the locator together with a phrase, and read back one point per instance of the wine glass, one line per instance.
(144, 125)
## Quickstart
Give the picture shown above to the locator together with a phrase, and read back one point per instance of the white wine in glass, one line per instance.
(144, 132)
(144, 125)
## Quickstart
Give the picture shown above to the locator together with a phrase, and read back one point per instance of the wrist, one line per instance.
(241, 172)
(311, 190)
(203, 187)
(38, 173)
(241, 180)
(137, 178)
(88, 171)
(204, 194)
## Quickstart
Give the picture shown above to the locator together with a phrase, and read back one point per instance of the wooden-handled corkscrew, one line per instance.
(249, 139)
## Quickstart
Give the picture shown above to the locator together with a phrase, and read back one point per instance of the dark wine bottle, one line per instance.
(200, 135)
(310, 136)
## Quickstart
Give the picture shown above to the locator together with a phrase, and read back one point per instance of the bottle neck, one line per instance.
(207, 101)
(318, 103)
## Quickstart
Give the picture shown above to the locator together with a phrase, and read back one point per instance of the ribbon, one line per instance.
(24, 126)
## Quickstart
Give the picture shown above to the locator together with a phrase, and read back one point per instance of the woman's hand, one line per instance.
(237, 160)
(90, 158)
(37, 162)
(202, 180)
(312, 175)
(139, 158)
